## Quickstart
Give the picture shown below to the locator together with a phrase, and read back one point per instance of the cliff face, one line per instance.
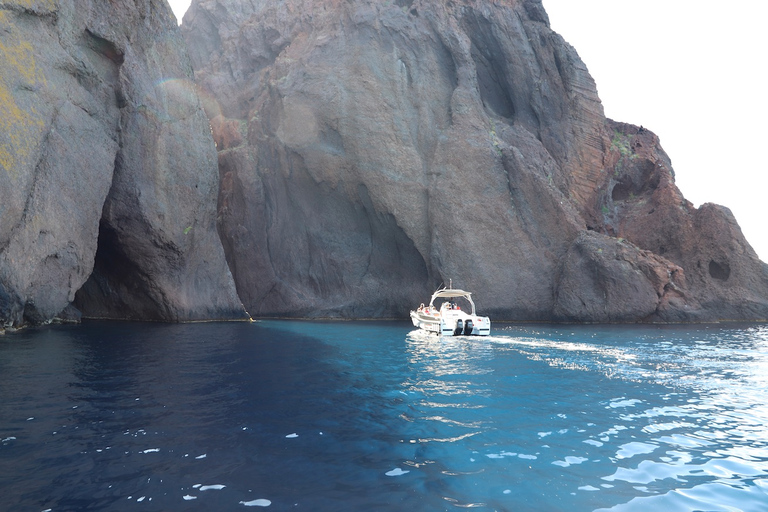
(107, 169)
(369, 151)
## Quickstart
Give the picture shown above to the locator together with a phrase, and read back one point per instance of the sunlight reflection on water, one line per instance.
(707, 449)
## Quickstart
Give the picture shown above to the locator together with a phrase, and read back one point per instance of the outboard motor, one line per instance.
(459, 327)
(468, 327)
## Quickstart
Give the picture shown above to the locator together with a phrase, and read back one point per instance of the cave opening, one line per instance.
(719, 270)
(117, 287)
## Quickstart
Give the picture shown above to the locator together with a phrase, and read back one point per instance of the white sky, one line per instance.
(691, 71)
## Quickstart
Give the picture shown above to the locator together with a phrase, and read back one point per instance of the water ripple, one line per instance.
(365, 415)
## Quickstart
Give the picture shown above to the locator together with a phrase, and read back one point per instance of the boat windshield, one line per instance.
(453, 299)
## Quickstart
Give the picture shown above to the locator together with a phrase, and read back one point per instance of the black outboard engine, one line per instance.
(459, 327)
(468, 327)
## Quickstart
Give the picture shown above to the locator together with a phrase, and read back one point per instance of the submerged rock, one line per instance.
(108, 168)
(370, 150)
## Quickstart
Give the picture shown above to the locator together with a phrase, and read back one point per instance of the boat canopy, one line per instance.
(449, 293)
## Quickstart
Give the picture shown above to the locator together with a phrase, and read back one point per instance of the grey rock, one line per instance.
(104, 148)
(604, 279)
(365, 159)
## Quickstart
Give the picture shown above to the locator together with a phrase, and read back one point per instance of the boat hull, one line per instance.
(452, 323)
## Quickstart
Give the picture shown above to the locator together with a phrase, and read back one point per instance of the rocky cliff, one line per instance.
(365, 151)
(108, 173)
(370, 150)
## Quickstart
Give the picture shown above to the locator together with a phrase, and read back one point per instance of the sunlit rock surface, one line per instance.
(369, 151)
(107, 168)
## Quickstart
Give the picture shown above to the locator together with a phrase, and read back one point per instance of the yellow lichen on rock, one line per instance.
(37, 6)
(20, 123)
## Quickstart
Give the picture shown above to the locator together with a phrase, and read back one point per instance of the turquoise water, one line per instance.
(374, 415)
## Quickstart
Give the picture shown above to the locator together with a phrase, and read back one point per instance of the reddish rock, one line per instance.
(642, 204)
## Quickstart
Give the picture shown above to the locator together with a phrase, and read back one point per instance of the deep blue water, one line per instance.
(374, 416)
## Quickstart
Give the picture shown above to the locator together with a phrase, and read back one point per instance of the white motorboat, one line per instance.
(447, 318)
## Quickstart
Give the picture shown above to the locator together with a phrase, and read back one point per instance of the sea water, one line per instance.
(283, 415)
